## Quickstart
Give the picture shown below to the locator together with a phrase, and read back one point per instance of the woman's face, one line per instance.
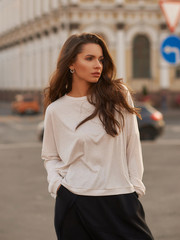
(88, 65)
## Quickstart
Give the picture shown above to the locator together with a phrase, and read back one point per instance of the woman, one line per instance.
(91, 147)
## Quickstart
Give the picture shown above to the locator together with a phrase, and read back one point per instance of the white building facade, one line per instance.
(32, 33)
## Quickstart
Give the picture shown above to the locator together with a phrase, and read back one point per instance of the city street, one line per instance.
(52, 47)
(27, 208)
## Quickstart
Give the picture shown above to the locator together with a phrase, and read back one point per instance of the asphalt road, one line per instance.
(27, 209)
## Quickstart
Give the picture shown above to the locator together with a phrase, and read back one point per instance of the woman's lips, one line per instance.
(96, 74)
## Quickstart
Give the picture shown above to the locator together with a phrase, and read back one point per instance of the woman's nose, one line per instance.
(98, 64)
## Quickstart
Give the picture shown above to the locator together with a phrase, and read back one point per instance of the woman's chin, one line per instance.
(94, 80)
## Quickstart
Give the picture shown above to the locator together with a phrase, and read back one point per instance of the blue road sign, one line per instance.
(170, 49)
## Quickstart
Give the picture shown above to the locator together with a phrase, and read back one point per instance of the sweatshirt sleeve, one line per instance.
(50, 154)
(134, 152)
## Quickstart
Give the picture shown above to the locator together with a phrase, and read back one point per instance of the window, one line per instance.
(178, 71)
(141, 57)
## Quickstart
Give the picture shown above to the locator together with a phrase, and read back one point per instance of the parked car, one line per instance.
(150, 127)
(40, 130)
(152, 124)
(25, 104)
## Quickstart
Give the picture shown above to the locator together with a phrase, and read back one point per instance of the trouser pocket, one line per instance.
(64, 201)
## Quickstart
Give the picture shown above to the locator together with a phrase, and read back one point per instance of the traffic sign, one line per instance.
(171, 10)
(170, 49)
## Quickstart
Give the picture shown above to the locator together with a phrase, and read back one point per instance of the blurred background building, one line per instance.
(32, 33)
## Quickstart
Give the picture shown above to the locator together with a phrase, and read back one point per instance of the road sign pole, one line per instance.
(164, 66)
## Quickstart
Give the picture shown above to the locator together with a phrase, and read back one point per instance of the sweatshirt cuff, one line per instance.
(139, 191)
(53, 188)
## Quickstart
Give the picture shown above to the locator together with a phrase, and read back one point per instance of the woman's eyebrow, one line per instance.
(90, 55)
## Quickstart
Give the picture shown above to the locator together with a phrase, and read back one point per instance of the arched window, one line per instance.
(178, 71)
(141, 57)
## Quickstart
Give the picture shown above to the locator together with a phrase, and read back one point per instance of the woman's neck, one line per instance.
(79, 90)
(76, 94)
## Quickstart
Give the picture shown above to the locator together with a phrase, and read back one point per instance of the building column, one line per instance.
(54, 4)
(121, 52)
(119, 2)
(74, 2)
(1, 17)
(18, 74)
(18, 12)
(45, 6)
(30, 12)
(16, 68)
(24, 62)
(62, 35)
(30, 71)
(54, 51)
(37, 8)
(4, 19)
(12, 67)
(24, 11)
(38, 63)
(164, 66)
(1, 70)
(4, 57)
(45, 60)
(6, 53)
(9, 65)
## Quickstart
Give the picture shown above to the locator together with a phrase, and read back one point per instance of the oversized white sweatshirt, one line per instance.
(87, 160)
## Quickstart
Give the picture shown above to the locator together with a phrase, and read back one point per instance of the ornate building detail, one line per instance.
(33, 31)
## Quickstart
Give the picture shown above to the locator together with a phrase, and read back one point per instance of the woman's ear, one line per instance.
(71, 66)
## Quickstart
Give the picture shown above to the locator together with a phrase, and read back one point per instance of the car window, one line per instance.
(144, 110)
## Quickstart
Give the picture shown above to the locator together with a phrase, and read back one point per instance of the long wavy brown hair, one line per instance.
(108, 95)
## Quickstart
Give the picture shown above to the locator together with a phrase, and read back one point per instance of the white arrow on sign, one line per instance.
(175, 50)
(171, 10)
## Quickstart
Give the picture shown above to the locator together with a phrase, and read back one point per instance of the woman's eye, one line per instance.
(89, 58)
(101, 60)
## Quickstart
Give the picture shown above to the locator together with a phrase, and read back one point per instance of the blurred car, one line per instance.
(150, 127)
(25, 104)
(152, 124)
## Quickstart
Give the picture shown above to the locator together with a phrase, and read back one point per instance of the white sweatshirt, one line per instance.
(88, 161)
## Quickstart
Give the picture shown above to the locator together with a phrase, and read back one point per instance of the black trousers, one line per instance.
(115, 217)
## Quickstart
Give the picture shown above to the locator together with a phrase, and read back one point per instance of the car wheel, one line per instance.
(21, 113)
(42, 135)
(29, 111)
(148, 133)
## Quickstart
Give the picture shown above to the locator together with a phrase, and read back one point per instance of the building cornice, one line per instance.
(72, 15)
(37, 28)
